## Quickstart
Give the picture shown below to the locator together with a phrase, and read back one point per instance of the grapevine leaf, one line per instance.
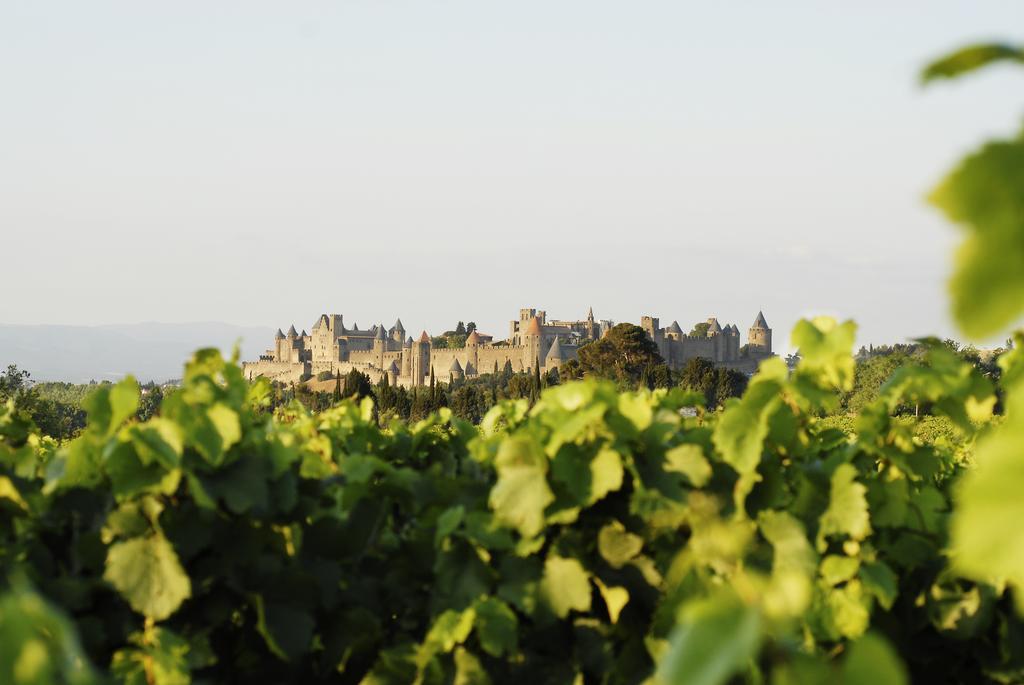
(617, 545)
(837, 569)
(637, 408)
(10, 497)
(159, 657)
(38, 644)
(496, 626)
(158, 440)
(880, 581)
(469, 670)
(846, 613)
(743, 426)
(872, 661)
(286, 630)
(147, 573)
(983, 195)
(847, 512)
(615, 598)
(521, 493)
(970, 58)
(565, 586)
(109, 407)
(447, 523)
(129, 476)
(605, 474)
(986, 531)
(689, 460)
(825, 348)
(451, 628)
(714, 639)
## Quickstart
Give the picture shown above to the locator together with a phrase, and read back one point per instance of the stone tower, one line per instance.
(398, 331)
(407, 357)
(379, 346)
(420, 359)
(759, 337)
(532, 343)
(473, 353)
(555, 358)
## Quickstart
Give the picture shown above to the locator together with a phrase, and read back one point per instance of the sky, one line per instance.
(259, 163)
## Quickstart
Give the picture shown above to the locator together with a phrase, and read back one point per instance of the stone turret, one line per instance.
(455, 370)
(379, 346)
(554, 357)
(398, 331)
(532, 343)
(407, 357)
(420, 359)
(759, 337)
(279, 335)
(292, 333)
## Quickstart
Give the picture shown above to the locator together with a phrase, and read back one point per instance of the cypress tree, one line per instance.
(433, 390)
(337, 388)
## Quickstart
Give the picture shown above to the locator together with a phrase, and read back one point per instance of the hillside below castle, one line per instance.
(533, 340)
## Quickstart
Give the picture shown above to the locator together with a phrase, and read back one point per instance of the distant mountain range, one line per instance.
(148, 351)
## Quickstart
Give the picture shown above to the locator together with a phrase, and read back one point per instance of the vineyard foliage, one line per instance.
(598, 536)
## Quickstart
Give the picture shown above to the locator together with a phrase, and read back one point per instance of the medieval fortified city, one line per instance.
(532, 340)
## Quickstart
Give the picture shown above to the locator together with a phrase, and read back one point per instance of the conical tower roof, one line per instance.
(424, 338)
(675, 328)
(473, 339)
(393, 369)
(398, 325)
(304, 334)
(379, 335)
(292, 332)
(408, 341)
(714, 326)
(759, 322)
(590, 313)
(533, 328)
(555, 351)
(279, 335)
(455, 367)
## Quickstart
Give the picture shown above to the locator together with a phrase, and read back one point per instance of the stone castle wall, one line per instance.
(333, 349)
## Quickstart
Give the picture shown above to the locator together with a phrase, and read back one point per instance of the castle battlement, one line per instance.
(333, 347)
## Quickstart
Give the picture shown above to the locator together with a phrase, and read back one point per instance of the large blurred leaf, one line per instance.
(38, 645)
(985, 195)
(987, 531)
(521, 493)
(966, 60)
(825, 351)
(872, 661)
(715, 639)
(741, 430)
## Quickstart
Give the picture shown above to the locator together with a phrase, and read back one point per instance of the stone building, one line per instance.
(533, 341)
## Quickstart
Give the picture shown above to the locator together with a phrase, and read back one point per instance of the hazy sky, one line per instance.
(259, 163)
